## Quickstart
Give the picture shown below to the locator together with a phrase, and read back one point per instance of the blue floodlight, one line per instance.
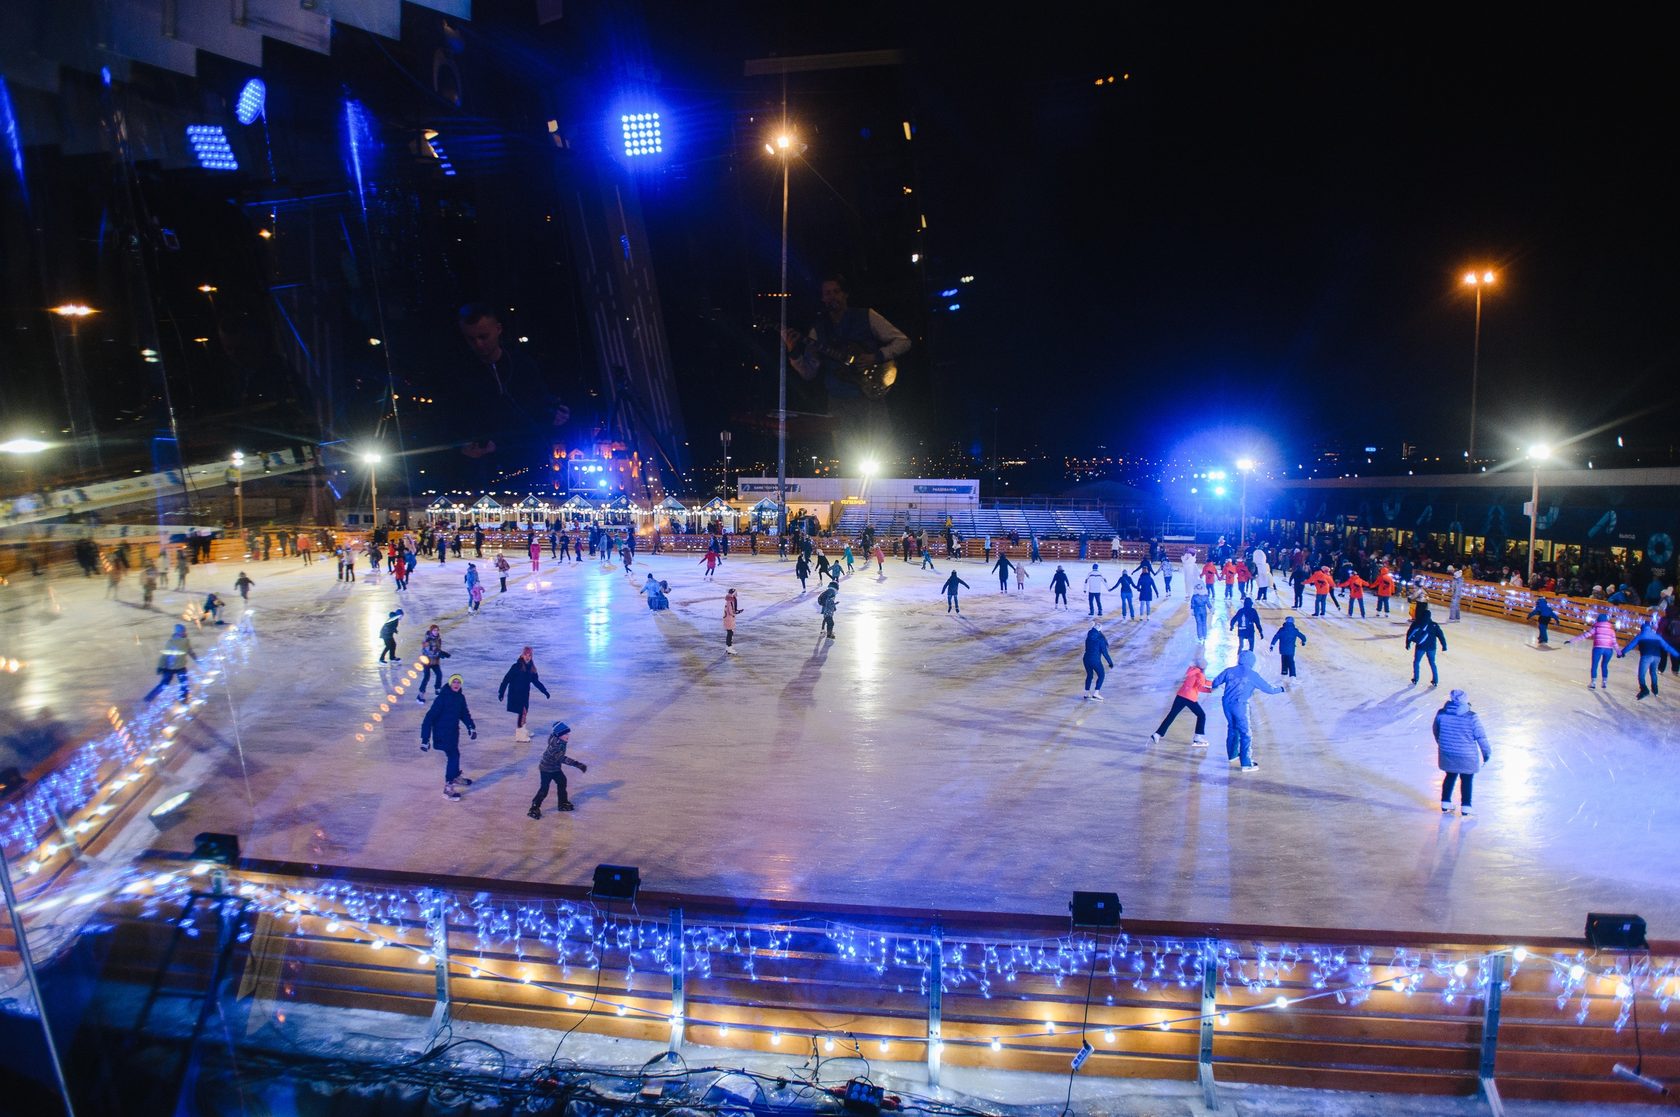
(251, 101)
(948, 293)
(442, 156)
(642, 135)
(210, 145)
(954, 306)
(1219, 490)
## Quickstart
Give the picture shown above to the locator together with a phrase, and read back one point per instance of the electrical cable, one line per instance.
(594, 997)
(1084, 1026)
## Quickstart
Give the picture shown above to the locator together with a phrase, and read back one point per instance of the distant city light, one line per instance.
(210, 145)
(251, 100)
(642, 134)
(966, 279)
(1219, 490)
(954, 306)
(949, 292)
(915, 257)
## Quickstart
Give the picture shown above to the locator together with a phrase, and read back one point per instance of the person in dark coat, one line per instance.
(441, 729)
(516, 688)
(1426, 636)
(1001, 568)
(1285, 639)
(1461, 745)
(1544, 614)
(552, 769)
(388, 634)
(1059, 588)
(1096, 654)
(1651, 647)
(1247, 624)
(950, 590)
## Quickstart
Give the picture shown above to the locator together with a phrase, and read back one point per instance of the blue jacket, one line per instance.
(952, 583)
(1246, 619)
(1240, 683)
(1543, 609)
(1124, 585)
(1460, 742)
(1146, 586)
(442, 723)
(1426, 634)
(1649, 642)
(1096, 648)
(1289, 635)
(1199, 604)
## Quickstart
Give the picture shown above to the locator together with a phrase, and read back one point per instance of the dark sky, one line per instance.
(1266, 222)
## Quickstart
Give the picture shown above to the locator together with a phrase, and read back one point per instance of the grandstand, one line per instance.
(974, 522)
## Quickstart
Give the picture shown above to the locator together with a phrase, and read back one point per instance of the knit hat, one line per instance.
(395, 613)
(560, 729)
(453, 679)
(1457, 696)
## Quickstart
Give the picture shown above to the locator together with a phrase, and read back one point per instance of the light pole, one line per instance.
(1245, 466)
(373, 458)
(78, 411)
(1536, 455)
(1476, 281)
(787, 147)
(724, 437)
(237, 463)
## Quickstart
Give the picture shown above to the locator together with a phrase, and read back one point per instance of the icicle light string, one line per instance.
(566, 934)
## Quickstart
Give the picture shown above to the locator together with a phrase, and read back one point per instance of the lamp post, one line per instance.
(787, 147)
(1536, 455)
(78, 411)
(725, 437)
(237, 465)
(1476, 281)
(1245, 466)
(373, 458)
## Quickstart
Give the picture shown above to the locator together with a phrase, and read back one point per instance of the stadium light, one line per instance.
(252, 97)
(210, 146)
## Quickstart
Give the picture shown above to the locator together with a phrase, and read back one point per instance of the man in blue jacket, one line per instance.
(1426, 636)
(1096, 654)
(950, 589)
(1651, 645)
(1240, 683)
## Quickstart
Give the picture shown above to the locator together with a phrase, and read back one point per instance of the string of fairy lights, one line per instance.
(514, 941)
(1516, 602)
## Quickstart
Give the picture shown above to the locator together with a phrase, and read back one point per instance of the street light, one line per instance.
(1536, 454)
(373, 458)
(1244, 466)
(1476, 281)
(76, 406)
(785, 145)
(869, 467)
(725, 437)
(237, 461)
(22, 446)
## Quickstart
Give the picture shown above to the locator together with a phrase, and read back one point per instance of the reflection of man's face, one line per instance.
(484, 337)
(833, 297)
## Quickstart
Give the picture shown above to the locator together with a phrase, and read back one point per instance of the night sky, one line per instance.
(1265, 223)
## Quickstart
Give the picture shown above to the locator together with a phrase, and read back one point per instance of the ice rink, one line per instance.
(921, 759)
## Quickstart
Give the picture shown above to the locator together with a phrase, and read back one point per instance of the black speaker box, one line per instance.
(1616, 932)
(616, 882)
(1095, 909)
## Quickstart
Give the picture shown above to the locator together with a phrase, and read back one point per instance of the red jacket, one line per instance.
(1320, 582)
(1243, 572)
(1385, 583)
(1355, 585)
(1230, 573)
(1210, 571)
(1195, 684)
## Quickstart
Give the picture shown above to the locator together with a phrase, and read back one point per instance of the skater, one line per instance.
(1195, 685)
(213, 608)
(1032, 548)
(1199, 607)
(1124, 584)
(1229, 573)
(1356, 586)
(441, 729)
(710, 562)
(801, 570)
(1543, 614)
(516, 688)
(442, 547)
(1461, 746)
(1247, 623)
(1146, 587)
(172, 663)
(502, 568)
(731, 609)
(1603, 636)
(822, 566)
(399, 568)
(1300, 579)
(1166, 581)
(1020, 577)
(471, 579)
(1457, 593)
(535, 551)
(1385, 589)
(1059, 588)
(243, 584)
(1285, 639)
(1651, 646)
(475, 597)
(846, 554)
(829, 600)
(1001, 568)
(880, 558)
(388, 634)
(1096, 654)
(1240, 683)
(1322, 584)
(1095, 583)
(432, 656)
(950, 591)
(1427, 636)
(552, 769)
(148, 584)
(181, 564)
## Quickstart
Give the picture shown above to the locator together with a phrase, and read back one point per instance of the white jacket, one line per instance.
(1095, 582)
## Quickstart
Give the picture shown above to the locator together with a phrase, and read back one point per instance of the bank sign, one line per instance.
(766, 487)
(961, 490)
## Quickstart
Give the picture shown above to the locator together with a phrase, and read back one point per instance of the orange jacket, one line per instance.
(1195, 684)
(1355, 585)
(1210, 571)
(1320, 582)
(1230, 573)
(1385, 583)
(1244, 574)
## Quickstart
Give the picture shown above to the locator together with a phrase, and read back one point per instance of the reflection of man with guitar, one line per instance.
(853, 351)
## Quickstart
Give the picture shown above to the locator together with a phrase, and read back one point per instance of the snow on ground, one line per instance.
(922, 759)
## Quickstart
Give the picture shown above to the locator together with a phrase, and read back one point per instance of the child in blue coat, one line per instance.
(1285, 639)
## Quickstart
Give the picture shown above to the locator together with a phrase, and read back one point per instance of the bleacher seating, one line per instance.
(1044, 523)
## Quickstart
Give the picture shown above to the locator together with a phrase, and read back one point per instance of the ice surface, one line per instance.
(922, 759)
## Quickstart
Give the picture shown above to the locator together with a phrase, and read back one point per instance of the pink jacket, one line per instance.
(1603, 634)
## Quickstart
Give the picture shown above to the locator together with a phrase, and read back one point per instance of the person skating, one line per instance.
(1200, 604)
(1001, 568)
(516, 688)
(148, 584)
(731, 610)
(1095, 583)
(1385, 586)
(1651, 647)
(1461, 746)
(1096, 654)
(552, 769)
(1322, 584)
(1059, 588)
(388, 634)
(172, 663)
(822, 566)
(828, 601)
(1229, 573)
(471, 580)
(1284, 640)
(1299, 579)
(1124, 584)
(880, 558)
(243, 584)
(927, 558)
(1239, 684)
(399, 569)
(1247, 623)
(802, 571)
(950, 591)
(710, 561)
(432, 656)
(1021, 577)
(1189, 692)
(1356, 586)
(846, 554)
(535, 551)
(1426, 636)
(1543, 614)
(213, 608)
(1457, 593)
(502, 567)
(441, 729)
(1603, 636)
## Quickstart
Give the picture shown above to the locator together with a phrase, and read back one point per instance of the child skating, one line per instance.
(552, 768)
(950, 591)
(1195, 685)
(1284, 640)
(731, 610)
(1604, 641)
(388, 634)
(1239, 684)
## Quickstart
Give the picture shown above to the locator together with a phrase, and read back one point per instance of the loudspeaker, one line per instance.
(218, 849)
(1095, 909)
(1616, 932)
(616, 882)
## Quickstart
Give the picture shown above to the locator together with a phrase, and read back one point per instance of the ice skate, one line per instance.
(1234, 762)
(1446, 807)
(565, 805)
(730, 648)
(521, 734)
(1251, 767)
(1153, 737)
(534, 812)
(1465, 812)
(463, 781)
(1198, 742)
(449, 792)
(1096, 695)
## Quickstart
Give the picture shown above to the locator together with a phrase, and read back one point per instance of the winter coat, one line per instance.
(388, 630)
(730, 608)
(1240, 683)
(1649, 642)
(1195, 683)
(1124, 584)
(175, 654)
(1603, 634)
(1288, 636)
(1543, 609)
(554, 758)
(1001, 566)
(1461, 743)
(1059, 581)
(517, 684)
(1146, 587)
(1095, 582)
(1096, 649)
(442, 723)
(827, 601)
(1426, 634)
(1320, 581)
(951, 584)
(1246, 619)
(1385, 584)
(1210, 571)
(432, 647)
(1199, 605)
(1354, 584)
